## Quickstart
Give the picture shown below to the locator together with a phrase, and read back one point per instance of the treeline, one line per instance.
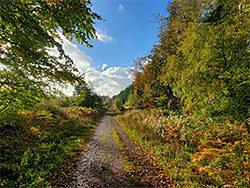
(200, 64)
(189, 104)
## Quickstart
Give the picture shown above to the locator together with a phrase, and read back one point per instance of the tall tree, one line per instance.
(202, 58)
(29, 29)
(209, 66)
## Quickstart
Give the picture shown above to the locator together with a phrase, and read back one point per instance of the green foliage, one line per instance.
(84, 97)
(133, 101)
(107, 101)
(198, 75)
(29, 30)
(123, 95)
(42, 150)
(118, 105)
(201, 63)
(148, 83)
(126, 98)
(210, 57)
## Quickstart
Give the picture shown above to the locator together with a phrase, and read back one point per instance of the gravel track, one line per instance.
(101, 163)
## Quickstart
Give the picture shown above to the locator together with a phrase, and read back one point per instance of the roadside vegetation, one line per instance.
(42, 146)
(189, 103)
(194, 151)
(42, 131)
(188, 106)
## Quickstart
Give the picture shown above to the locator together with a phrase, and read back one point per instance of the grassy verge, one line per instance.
(141, 168)
(195, 152)
(44, 149)
(129, 164)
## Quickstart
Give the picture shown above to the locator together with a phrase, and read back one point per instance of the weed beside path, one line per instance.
(144, 170)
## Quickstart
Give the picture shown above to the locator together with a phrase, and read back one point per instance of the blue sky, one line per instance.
(129, 31)
(131, 25)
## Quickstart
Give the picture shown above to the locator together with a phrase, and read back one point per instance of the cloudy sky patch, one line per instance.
(103, 36)
(109, 81)
(81, 60)
(104, 66)
(121, 8)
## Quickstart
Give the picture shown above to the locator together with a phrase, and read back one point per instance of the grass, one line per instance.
(195, 152)
(143, 170)
(44, 148)
(128, 164)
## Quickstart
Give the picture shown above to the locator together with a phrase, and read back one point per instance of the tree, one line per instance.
(147, 72)
(118, 104)
(29, 29)
(84, 97)
(228, 23)
(202, 58)
(205, 47)
(133, 100)
(143, 81)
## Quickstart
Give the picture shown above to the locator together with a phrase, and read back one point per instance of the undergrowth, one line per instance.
(196, 152)
(43, 149)
(141, 168)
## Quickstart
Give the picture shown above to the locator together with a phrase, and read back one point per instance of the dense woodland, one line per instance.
(200, 65)
(188, 106)
(190, 102)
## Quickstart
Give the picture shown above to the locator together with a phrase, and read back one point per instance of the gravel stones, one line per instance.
(101, 164)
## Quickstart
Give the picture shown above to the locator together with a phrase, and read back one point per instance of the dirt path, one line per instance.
(101, 164)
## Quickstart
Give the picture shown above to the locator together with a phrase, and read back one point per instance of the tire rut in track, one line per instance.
(101, 163)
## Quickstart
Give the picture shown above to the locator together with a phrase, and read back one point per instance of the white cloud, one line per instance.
(103, 36)
(67, 90)
(81, 60)
(104, 66)
(111, 81)
(106, 82)
(121, 8)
